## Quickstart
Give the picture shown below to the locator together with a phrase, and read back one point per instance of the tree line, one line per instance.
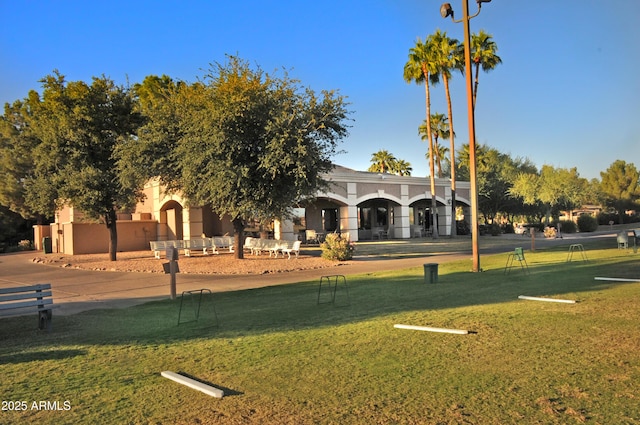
(514, 188)
(246, 142)
(506, 186)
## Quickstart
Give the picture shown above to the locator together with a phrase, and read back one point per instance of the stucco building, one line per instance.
(365, 205)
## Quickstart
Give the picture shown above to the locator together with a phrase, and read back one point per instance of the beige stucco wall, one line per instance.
(93, 238)
(39, 232)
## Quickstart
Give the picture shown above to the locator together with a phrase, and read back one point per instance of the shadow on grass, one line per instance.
(29, 356)
(295, 307)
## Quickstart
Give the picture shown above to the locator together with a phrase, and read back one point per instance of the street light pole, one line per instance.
(446, 11)
(473, 176)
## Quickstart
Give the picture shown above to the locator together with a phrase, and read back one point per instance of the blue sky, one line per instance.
(566, 93)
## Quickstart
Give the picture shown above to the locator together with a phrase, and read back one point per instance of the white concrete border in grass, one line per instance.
(430, 329)
(192, 383)
(553, 300)
(616, 279)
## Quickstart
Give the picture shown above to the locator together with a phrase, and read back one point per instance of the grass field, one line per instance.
(284, 359)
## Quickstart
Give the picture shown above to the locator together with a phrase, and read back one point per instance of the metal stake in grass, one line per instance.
(553, 300)
(430, 329)
(192, 383)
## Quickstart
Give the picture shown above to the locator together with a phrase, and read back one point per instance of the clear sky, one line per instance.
(567, 93)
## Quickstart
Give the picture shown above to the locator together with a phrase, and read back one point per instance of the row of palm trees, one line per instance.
(430, 61)
(385, 162)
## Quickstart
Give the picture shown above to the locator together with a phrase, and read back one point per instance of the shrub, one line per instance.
(586, 223)
(550, 232)
(494, 229)
(337, 248)
(462, 227)
(605, 217)
(508, 228)
(568, 227)
(25, 245)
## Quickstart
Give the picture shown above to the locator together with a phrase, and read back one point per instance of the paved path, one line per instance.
(79, 290)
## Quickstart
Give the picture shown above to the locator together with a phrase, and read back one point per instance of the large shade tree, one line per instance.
(248, 143)
(16, 154)
(73, 131)
(620, 187)
(556, 188)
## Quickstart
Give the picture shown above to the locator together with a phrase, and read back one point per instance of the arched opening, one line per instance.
(421, 220)
(320, 216)
(170, 225)
(377, 219)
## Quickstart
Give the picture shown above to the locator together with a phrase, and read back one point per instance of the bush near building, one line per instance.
(587, 223)
(337, 248)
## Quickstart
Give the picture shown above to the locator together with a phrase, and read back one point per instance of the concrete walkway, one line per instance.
(80, 290)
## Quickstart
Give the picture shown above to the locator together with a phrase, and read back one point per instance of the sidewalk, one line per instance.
(80, 290)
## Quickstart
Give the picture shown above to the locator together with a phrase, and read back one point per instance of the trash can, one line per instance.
(46, 245)
(431, 272)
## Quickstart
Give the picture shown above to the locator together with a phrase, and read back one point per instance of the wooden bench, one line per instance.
(25, 299)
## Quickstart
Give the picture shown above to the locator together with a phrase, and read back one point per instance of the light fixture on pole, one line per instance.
(446, 10)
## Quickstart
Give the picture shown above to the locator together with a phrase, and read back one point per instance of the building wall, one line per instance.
(93, 238)
(162, 216)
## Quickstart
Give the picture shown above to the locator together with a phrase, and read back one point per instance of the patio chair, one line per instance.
(517, 254)
(310, 235)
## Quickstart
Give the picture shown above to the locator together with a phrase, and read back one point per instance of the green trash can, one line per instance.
(46, 245)
(431, 273)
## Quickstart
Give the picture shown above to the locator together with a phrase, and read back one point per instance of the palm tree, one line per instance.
(443, 161)
(420, 68)
(483, 53)
(382, 162)
(449, 57)
(402, 168)
(439, 129)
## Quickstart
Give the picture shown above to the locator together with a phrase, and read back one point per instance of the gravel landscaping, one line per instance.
(143, 261)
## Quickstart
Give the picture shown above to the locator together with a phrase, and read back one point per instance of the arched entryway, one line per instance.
(322, 216)
(421, 219)
(170, 224)
(377, 219)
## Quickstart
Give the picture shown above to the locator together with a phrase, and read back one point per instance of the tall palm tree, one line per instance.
(382, 162)
(443, 161)
(483, 53)
(449, 54)
(402, 168)
(439, 130)
(420, 68)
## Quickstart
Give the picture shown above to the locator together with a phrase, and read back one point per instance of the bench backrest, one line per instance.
(23, 297)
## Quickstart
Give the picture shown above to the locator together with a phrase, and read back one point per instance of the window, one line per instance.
(364, 218)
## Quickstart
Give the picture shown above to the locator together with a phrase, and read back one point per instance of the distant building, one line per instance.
(365, 205)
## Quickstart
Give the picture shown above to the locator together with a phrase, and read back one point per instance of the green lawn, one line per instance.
(283, 359)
